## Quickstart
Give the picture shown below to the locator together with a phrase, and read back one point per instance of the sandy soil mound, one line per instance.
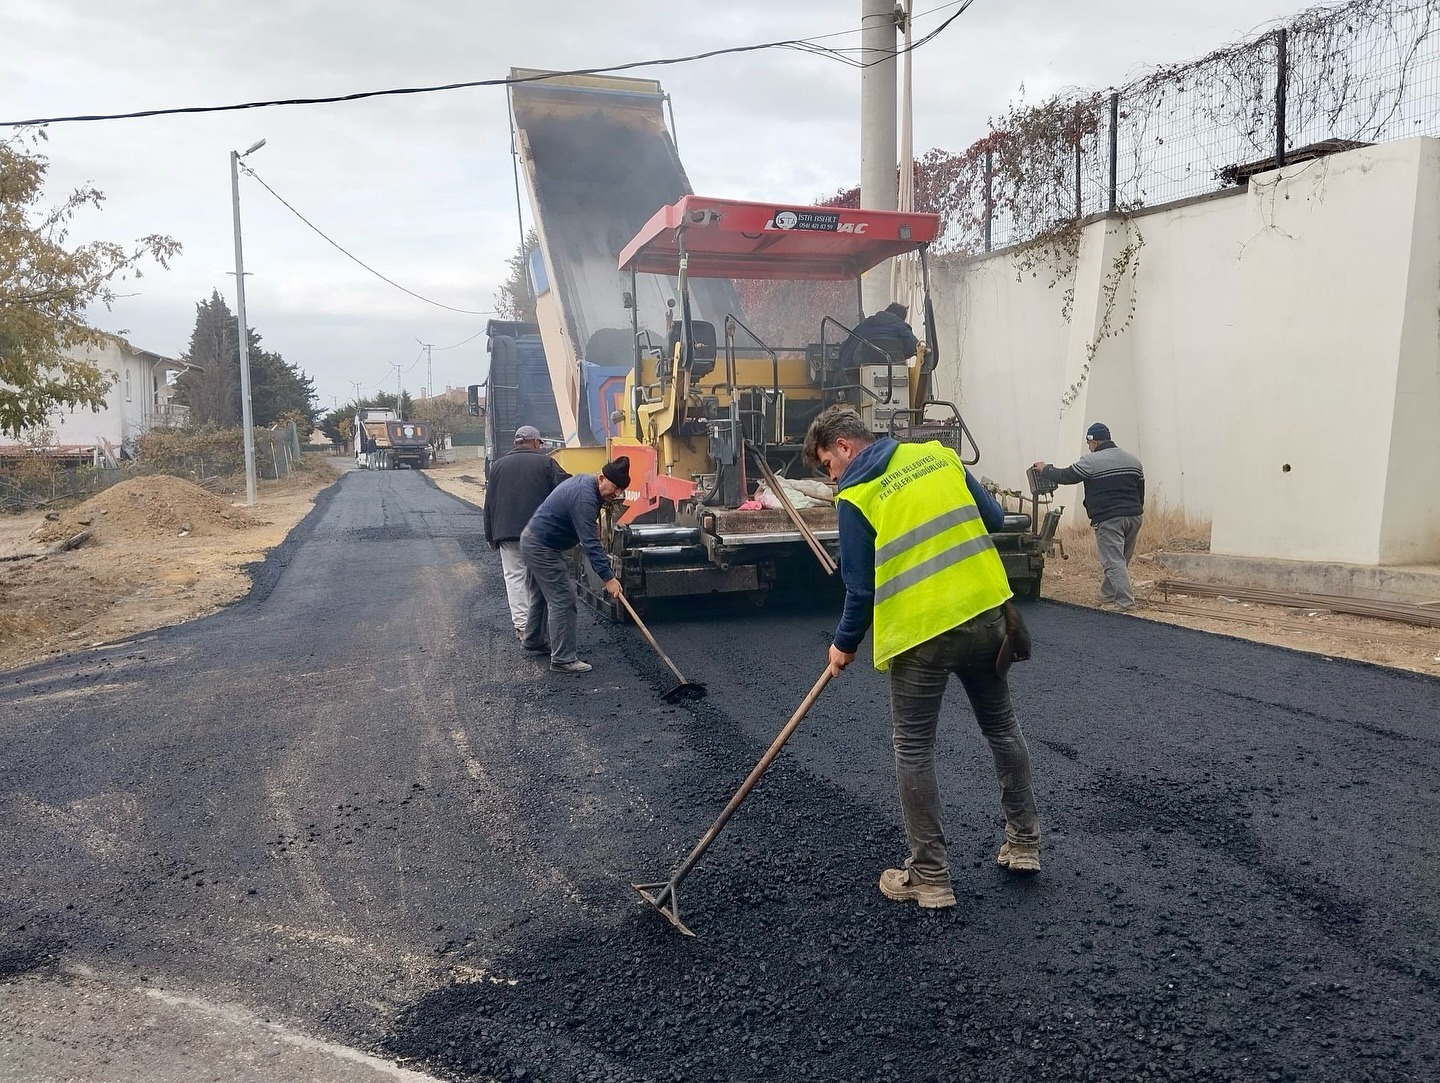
(151, 507)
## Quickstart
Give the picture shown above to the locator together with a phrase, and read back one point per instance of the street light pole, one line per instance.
(246, 415)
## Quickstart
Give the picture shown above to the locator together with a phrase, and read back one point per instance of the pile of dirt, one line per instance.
(153, 507)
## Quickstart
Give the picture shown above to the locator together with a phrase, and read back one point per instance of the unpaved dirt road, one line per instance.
(351, 809)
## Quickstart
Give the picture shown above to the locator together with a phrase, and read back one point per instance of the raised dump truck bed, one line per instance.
(597, 162)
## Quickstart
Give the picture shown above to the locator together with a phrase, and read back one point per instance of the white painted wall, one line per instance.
(1296, 321)
(1009, 356)
(1410, 524)
(1002, 355)
(1182, 342)
(1333, 312)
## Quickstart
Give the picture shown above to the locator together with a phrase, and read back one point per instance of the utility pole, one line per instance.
(247, 419)
(878, 106)
(356, 385)
(399, 393)
(429, 370)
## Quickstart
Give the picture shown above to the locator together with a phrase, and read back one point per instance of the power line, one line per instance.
(802, 44)
(451, 308)
(396, 365)
(462, 342)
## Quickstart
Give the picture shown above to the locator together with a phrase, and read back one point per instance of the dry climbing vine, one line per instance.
(1126, 265)
(1355, 76)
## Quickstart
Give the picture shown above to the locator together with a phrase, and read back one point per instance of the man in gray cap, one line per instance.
(1114, 484)
(519, 483)
(566, 519)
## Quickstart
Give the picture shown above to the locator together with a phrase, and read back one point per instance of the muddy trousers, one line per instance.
(918, 678)
(1115, 539)
(551, 582)
(517, 594)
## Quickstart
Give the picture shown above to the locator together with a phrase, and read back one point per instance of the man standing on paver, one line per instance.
(918, 563)
(567, 518)
(1114, 484)
(519, 483)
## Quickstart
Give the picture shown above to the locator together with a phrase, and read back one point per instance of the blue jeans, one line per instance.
(917, 685)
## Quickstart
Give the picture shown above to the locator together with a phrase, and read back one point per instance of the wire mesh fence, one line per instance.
(1332, 79)
(210, 458)
(38, 484)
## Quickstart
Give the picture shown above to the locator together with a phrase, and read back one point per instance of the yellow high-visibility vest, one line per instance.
(935, 565)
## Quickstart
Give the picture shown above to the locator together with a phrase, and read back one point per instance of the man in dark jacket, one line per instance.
(519, 483)
(1114, 484)
(887, 326)
(566, 519)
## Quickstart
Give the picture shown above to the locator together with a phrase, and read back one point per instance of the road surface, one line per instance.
(351, 812)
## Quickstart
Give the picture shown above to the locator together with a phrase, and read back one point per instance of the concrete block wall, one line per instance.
(1292, 323)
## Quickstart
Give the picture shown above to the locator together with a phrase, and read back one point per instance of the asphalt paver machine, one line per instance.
(714, 417)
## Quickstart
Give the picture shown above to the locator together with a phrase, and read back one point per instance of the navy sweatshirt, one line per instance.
(857, 541)
(882, 325)
(568, 518)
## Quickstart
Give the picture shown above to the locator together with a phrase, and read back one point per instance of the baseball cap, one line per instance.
(526, 432)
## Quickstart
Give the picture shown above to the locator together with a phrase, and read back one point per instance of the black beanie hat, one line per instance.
(618, 471)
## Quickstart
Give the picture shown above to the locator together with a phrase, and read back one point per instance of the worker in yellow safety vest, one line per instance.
(918, 563)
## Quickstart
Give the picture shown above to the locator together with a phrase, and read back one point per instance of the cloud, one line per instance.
(421, 187)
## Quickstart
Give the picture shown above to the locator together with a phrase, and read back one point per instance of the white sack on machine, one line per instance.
(801, 492)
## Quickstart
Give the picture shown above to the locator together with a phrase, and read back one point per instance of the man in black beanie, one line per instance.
(566, 519)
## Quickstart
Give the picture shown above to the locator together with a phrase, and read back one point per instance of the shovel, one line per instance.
(664, 897)
(685, 689)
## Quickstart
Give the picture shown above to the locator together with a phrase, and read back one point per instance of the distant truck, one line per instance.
(384, 442)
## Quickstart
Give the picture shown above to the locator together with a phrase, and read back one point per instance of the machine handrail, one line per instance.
(965, 433)
(732, 322)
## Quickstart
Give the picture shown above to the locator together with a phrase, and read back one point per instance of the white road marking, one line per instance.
(233, 1014)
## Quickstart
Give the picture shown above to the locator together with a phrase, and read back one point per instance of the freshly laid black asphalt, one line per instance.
(352, 803)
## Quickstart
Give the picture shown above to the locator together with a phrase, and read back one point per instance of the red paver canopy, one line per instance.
(725, 238)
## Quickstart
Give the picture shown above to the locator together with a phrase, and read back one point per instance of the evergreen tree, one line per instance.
(278, 388)
(212, 388)
(516, 299)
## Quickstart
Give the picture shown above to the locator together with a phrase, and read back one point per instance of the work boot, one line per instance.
(1018, 857)
(576, 666)
(902, 886)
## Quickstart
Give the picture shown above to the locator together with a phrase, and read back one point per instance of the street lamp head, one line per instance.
(254, 148)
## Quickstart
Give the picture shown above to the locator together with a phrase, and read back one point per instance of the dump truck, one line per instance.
(384, 442)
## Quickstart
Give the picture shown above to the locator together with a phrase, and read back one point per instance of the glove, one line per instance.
(1015, 647)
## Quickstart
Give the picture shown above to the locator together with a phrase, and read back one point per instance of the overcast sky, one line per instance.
(421, 187)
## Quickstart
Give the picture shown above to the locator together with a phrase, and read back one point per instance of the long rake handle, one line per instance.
(693, 858)
(826, 561)
(646, 632)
